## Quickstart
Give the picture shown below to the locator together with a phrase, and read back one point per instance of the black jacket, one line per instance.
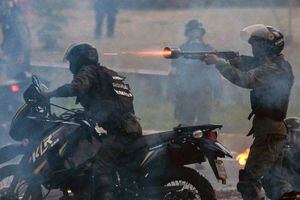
(101, 91)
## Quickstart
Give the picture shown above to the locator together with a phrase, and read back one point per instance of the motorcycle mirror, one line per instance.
(35, 81)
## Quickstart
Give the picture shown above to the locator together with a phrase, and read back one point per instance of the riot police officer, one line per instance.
(193, 87)
(106, 9)
(270, 78)
(107, 100)
(16, 37)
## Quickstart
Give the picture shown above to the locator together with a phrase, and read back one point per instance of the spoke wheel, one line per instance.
(5, 183)
(4, 186)
(188, 192)
(194, 186)
(22, 191)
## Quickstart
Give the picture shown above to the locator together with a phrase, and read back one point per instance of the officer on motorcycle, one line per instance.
(107, 100)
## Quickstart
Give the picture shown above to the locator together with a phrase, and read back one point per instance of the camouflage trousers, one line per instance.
(112, 147)
(264, 164)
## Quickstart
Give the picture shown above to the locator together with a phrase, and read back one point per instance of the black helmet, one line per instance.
(192, 25)
(269, 35)
(80, 55)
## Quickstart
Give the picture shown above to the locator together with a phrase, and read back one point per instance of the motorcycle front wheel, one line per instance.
(194, 186)
(22, 191)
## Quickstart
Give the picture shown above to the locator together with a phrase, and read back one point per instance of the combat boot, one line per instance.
(248, 187)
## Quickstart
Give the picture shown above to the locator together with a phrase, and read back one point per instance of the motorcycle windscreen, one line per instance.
(22, 127)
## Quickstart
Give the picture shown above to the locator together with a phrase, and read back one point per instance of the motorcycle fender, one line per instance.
(185, 154)
(209, 146)
(223, 149)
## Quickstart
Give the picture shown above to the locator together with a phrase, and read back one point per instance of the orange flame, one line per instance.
(242, 157)
(140, 53)
(111, 54)
(153, 53)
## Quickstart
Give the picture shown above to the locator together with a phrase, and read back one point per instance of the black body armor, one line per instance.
(109, 97)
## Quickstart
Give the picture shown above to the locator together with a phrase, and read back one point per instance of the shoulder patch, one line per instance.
(123, 93)
(118, 78)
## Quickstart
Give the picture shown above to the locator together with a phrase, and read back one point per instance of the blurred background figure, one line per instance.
(16, 37)
(108, 9)
(194, 87)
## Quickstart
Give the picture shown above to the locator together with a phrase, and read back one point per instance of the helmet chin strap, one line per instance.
(74, 68)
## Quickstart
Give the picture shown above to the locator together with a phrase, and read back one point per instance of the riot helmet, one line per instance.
(264, 39)
(80, 55)
(194, 28)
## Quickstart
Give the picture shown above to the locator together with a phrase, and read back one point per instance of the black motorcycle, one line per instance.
(10, 100)
(154, 167)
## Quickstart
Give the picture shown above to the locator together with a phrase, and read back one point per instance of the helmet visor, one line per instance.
(256, 30)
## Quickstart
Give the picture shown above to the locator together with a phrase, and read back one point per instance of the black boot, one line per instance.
(248, 187)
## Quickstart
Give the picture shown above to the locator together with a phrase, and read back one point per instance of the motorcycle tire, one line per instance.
(23, 191)
(195, 186)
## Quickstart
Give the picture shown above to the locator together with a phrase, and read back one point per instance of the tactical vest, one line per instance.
(272, 101)
(109, 98)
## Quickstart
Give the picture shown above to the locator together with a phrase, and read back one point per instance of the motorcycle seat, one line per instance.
(159, 138)
(151, 140)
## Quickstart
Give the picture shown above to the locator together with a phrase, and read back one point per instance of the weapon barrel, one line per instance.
(171, 53)
(174, 53)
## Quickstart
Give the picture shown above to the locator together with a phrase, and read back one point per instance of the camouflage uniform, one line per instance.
(270, 80)
(108, 101)
(194, 86)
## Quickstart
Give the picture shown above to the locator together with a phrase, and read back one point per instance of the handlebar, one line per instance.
(34, 97)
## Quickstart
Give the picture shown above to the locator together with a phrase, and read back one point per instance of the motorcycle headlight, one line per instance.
(197, 134)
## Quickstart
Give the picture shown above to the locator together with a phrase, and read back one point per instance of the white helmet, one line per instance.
(269, 34)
